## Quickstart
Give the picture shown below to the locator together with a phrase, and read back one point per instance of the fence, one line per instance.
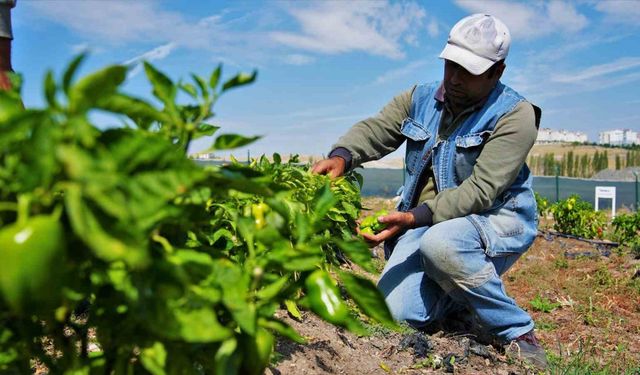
(385, 183)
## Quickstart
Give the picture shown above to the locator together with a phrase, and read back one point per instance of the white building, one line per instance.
(546, 135)
(619, 137)
(203, 156)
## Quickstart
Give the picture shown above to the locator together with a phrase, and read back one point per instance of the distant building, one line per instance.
(619, 137)
(546, 135)
(203, 156)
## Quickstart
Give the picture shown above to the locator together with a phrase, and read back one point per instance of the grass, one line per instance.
(546, 325)
(586, 360)
(543, 304)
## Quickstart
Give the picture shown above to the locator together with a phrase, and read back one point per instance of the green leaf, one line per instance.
(282, 329)
(358, 252)
(86, 226)
(367, 297)
(154, 358)
(215, 77)
(202, 85)
(193, 325)
(230, 141)
(240, 80)
(206, 129)
(324, 201)
(189, 89)
(163, 87)
(71, 71)
(234, 284)
(134, 108)
(272, 290)
(292, 308)
(50, 89)
(95, 86)
(227, 358)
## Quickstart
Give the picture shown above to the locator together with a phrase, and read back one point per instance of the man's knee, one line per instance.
(453, 258)
(439, 249)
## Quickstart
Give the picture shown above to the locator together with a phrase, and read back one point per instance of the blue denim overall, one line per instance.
(432, 271)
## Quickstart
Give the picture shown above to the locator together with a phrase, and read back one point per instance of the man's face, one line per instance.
(463, 88)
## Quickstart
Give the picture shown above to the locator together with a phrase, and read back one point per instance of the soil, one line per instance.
(587, 317)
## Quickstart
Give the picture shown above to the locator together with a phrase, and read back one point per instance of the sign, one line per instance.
(607, 192)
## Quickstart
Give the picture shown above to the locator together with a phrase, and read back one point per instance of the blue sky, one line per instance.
(323, 65)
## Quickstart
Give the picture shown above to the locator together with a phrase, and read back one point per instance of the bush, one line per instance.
(543, 205)
(626, 227)
(183, 266)
(577, 217)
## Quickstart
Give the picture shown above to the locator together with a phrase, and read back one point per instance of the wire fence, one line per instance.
(385, 183)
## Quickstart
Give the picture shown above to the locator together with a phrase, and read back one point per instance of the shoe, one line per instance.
(527, 349)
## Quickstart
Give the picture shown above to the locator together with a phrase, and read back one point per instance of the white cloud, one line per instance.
(338, 27)
(433, 28)
(595, 71)
(157, 53)
(118, 23)
(298, 59)
(530, 20)
(80, 47)
(626, 11)
(113, 21)
(400, 72)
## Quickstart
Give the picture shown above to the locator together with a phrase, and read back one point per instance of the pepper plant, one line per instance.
(577, 217)
(182, 267)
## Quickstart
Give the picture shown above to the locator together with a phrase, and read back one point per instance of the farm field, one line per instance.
(122, 255)
(583, 298)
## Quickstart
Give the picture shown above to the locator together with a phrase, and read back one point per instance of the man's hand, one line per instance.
(396, 222)
(334, 167)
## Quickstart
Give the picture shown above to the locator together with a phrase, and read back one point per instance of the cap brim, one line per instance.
(473, 63)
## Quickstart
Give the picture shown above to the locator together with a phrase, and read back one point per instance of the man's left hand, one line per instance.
(396, 222)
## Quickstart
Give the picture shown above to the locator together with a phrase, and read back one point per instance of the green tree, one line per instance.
(618, 162)
(584, 165)
(569, 164)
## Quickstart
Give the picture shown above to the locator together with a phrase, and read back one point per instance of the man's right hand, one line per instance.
(334, 167)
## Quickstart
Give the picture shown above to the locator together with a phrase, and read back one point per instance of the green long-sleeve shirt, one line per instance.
(496, 168)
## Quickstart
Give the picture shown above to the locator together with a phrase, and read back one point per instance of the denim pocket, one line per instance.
(417, 137)
(468, 148)
(506, 222)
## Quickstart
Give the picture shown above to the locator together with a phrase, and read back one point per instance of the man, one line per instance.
(5, 43)
(467, 211)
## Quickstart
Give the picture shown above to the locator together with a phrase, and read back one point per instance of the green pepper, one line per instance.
(324, 298)
(367, 230)
(371, 225)
(32, 256)
(258, 210)
(257, 351)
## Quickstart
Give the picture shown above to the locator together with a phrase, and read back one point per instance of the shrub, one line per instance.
(183, 266)
(543, 205)
(577, 217)
(626, 227)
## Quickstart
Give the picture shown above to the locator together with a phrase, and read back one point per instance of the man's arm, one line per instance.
(6, 35)
(495, 170)
(376, 136)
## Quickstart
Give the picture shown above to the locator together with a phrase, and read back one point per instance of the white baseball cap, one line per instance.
(476, 42)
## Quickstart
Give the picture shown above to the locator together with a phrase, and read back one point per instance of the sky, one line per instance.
(324, 65)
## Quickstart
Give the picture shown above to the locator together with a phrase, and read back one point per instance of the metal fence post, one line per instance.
(637, 200)
(557, 183)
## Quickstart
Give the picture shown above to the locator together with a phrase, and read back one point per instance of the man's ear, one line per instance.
(499, 70)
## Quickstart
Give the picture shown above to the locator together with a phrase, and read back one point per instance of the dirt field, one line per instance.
(585, 300)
